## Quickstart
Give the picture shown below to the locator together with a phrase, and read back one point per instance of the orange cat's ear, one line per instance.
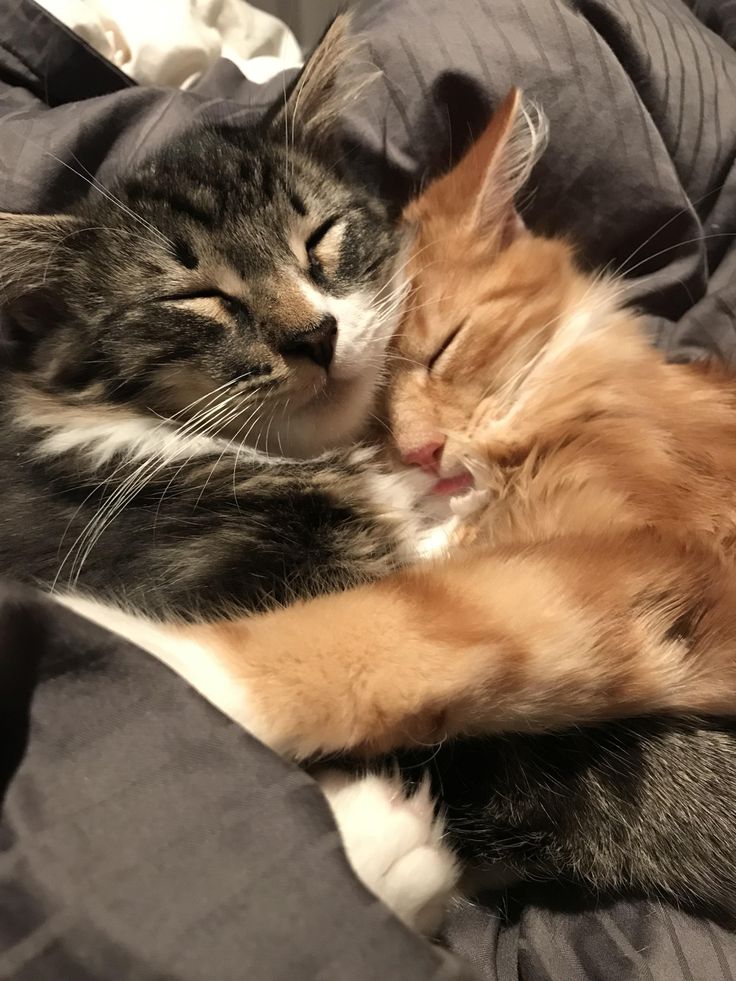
(482, 187)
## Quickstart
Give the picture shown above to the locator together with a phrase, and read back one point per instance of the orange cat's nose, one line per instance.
(427, 457)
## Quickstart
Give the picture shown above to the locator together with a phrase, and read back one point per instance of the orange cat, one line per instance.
(595, 577)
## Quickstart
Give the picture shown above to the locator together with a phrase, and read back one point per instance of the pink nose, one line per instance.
(427, 457)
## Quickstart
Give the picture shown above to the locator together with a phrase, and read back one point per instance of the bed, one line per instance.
(144, 836)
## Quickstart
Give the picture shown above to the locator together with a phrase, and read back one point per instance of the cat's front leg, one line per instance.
(521, 639)
(354, 670)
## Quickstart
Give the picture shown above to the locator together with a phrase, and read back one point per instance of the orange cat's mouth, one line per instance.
(451, 485)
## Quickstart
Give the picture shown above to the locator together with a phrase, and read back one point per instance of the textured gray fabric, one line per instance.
(146, 837)
(626, 941)
(143, 836)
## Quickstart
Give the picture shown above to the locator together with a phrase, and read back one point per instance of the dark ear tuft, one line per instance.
(482, 186)
(314, 100)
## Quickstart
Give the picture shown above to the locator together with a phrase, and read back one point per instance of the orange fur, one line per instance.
(597, 581)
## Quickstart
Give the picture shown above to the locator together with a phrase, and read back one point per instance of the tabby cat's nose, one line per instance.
(428, 457)
(317, 344)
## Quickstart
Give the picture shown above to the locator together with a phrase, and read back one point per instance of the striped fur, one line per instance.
(168, 363)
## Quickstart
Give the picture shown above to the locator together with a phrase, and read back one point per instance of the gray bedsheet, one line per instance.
(142, 835)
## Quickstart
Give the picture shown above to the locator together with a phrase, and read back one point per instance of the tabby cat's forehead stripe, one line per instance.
(184, 253)
(194, 201)
(268, 181)
(199, 211)
(298, 205)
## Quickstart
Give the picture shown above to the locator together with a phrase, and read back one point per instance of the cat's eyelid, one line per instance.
(319, 233)
(196, 295)
(445, 345)
(211, 294)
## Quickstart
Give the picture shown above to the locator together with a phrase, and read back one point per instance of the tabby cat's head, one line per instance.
(236, 262)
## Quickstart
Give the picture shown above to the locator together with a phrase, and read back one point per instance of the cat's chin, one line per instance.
(337, 407)
(337, 415)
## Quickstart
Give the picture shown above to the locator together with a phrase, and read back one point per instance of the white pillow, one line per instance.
(172, 42)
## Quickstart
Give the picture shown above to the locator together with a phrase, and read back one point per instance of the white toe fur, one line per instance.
(435, 543)
(395, 845)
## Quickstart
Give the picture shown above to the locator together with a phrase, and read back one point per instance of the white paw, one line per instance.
(436, 542)
(395, 845)
(469, 503)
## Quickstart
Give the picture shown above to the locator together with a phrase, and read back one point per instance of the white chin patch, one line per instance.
(362, 335)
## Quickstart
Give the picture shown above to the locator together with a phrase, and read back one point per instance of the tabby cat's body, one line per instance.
(637, 808)
(205, 528)
(174, 345)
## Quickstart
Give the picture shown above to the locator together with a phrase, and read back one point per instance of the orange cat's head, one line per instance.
(486, 294)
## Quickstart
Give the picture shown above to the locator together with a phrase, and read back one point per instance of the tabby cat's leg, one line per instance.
(563, 632)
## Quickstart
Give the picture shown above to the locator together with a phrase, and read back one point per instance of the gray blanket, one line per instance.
(142, 835)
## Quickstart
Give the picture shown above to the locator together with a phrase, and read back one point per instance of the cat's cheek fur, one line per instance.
(362, 335)
(104, 434)
(329, 422)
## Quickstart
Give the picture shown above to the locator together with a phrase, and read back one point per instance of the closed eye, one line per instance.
(319, 233)
(322, 261)
(232, 304)
(445, 345)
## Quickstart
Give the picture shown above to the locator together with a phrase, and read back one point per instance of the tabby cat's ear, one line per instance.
(31, 251)
(34, 254)
(314, 99)
(481, 189)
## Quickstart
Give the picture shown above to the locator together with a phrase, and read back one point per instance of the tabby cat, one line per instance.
(174, 345)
